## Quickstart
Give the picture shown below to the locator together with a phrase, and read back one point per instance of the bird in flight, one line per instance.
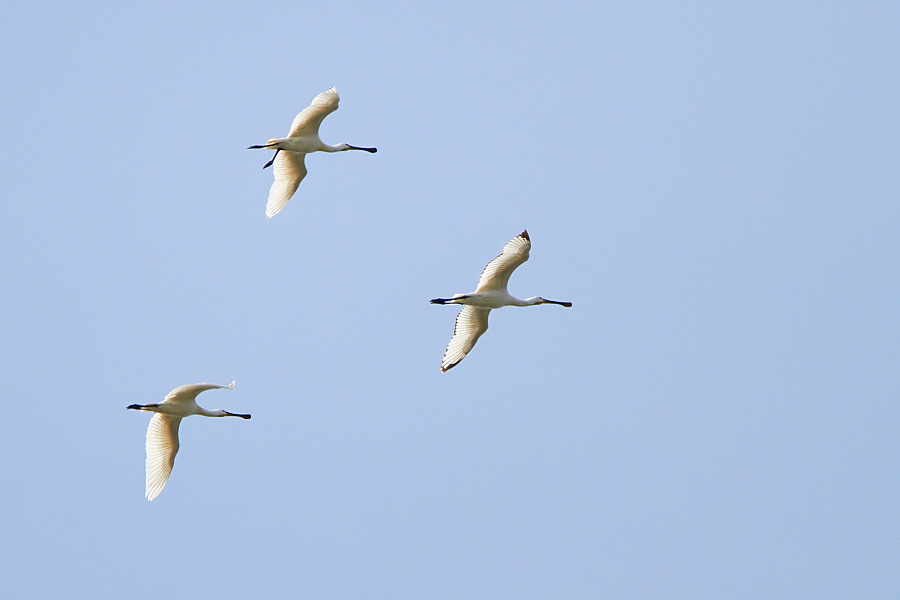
(291, 151)
(472, 320)
(162, 434)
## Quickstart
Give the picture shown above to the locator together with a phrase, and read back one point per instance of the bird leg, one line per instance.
(449, 300)
(269, 164)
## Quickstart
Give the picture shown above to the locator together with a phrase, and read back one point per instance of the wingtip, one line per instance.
(524, 234)
(230, 386)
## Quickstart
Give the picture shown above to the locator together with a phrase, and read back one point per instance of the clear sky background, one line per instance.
(713, 184)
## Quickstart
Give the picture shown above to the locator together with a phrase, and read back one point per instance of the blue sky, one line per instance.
(713, 184)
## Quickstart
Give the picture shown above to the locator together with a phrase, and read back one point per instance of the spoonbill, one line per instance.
(472, 320)
(291, 151)
(162, 435)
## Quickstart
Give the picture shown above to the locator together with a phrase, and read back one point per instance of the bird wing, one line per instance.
(189, 392)
(162, 446)
(309, 119)
(496, 274)
(289, 172)
(471, 322)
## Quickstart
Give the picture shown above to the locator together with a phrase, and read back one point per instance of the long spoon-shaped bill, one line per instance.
(566, 304)
(230, 414)
(372, 150)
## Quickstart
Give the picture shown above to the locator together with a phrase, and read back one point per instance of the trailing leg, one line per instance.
(269, 164)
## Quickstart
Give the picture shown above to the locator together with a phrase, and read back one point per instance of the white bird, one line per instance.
(302, 139)
(162, 434)
(491, 293)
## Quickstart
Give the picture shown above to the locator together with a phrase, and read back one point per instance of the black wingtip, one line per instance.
(524, 234)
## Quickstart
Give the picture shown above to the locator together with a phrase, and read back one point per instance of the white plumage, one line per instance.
(162, 434)
(491, 293)
(290, 152)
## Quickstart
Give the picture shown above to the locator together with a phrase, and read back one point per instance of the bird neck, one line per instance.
(210, 413)
(526, 302)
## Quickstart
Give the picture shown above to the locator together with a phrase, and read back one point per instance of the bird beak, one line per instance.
(566, 304)
(237, 415)
(372, 150)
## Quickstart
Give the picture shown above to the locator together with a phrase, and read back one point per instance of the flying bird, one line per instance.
(472, 320)
(162, 435)
(291, 151)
